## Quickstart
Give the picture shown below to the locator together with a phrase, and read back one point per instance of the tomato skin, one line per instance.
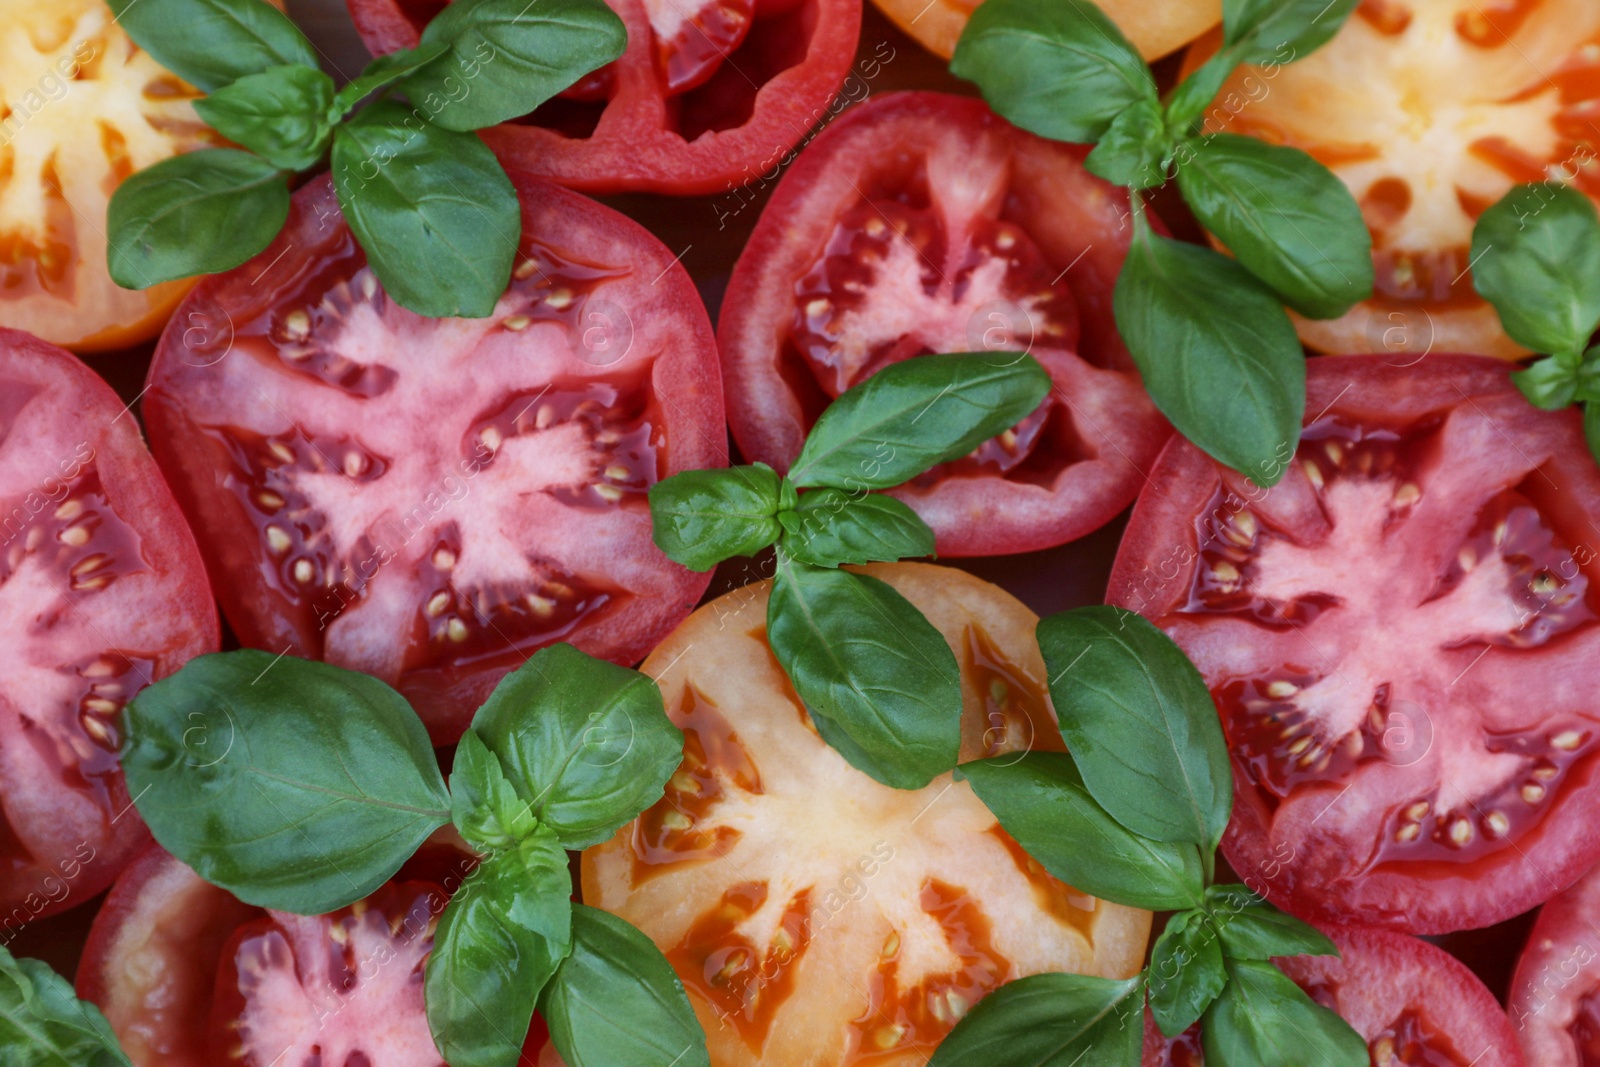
(1554, 990)
(638, 144)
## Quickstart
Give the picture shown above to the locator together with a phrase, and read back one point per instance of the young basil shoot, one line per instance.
(1536, 258)
(1133, 816)
(881, 684)
(428, 202)
(44, 1024)
(1209, 332)
(300, 786)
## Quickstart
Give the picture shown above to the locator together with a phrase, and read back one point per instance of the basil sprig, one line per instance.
(301, 786)
(1536, 258)
(1209, 332)
(1133, 816)
(881, 684)
(44, 1024)
(427, 200)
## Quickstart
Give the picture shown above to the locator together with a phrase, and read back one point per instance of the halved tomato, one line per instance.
(921, 222)
(1402, 638)
(431, 500)
(101, 593)
(815, 916)
(1156, 27)
(1555, 993)
(1413, 1003)
(1430, 111)
(709, 96)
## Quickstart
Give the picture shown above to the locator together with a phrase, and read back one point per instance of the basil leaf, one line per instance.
(1063, 71)
(1252, 929)
(1550, 383)
(385, 71)
(831, 526)
(1254, 31)
(509, 56)
(484, 805)
(210, 43)
(1186, 972)
(290, 783)
(1218, 353)
(43, 1024)
(1132, 149)
(1189, 101)
(879, 681)
(499, 942)
(199, 213)
(588, 742)
(1589, 375)
(1285, 216)
(1050, 1020)
(916, 414)
(615, 1000)
(1140, 723)
(1041, 801)
(280, 114)
(1262, 1017)
(1536, 258)
(700, 518)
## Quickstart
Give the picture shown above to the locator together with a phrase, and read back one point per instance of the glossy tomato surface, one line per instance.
(101, 592)
(1555, 993)
(1430, 111)
(1156, 27)
(922, 222)
(431, 500)
(815, 916)
(1402, 640)
(709, 95)
(1415, 1005)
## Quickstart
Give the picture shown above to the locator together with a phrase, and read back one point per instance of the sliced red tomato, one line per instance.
(1414, 1004)
(709, 96)
(1555, 993)
(921, 222)
(101, 593)
(1430, 111)
(431, 500)
(1402, 638)
(814, 915)
(1156, 27)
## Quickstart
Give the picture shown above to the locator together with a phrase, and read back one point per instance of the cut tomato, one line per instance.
(709, 96)
(1156, 27)
(101, 593)
(920, 222)
(1415, 1005)
(1555, 993)
(1430, 111)
(814, 915)
(431, 500)
(1402, 641)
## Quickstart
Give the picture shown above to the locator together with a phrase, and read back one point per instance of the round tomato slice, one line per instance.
(920, 222)
(1402, 638)
(1156, 27)
(1430, 111)
(1413, 1003)
(1555, 992)
(101, 593)
(431, 500)
(814, 915)
(710, 94)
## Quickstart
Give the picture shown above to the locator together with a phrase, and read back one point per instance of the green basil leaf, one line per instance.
(1186, 972)
(1140, 723)
(499, 942)
(43, 1024)
(385, 71)
(1063, 71)
(880, 683)
(438, 218)
(588, 742)
(1218, 353)
(280, 114)
(1050, 1020)
(1285, 216)
(916, 414)
(700, 518)
(292, 784)
(1189, 101)
(199, 213)
(832, 526)
(1255, 31)
(509, 56)
(1589, 375)
(1262, 1017)
(484, 805)
(210, 43)
(1550, 383)
(1041, 801)
(615, 1000)
(1132, 149)
(1536, 258)
(1253, 929)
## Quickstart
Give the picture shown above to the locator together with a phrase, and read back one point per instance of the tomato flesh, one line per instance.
(1155, 27)
(1555, 991)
